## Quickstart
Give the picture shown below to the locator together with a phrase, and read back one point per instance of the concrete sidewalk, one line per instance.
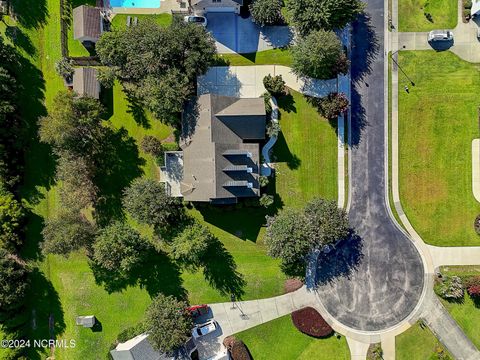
(458, 255)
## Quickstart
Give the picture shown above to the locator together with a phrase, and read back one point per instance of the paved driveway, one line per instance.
(233, 34)
(247, 81)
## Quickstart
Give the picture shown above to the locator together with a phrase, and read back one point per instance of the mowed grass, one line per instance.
(120, 20)
(418, 343)
(280, 340)
(266, 57)
(438, 120)
(411, 15)
(305, 154)
(466, 313)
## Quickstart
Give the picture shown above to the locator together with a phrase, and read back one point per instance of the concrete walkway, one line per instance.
(465, 44)
(458, 255)
(388, 347)
(447, 330)
(358, 349)
(266, 169)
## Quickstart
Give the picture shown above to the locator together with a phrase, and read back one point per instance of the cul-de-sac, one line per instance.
(240, 179)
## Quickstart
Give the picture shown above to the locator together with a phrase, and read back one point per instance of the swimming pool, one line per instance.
(135, 3)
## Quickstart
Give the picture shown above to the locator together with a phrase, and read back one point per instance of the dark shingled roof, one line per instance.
(221, 149)
(85, 82)
(86, 22)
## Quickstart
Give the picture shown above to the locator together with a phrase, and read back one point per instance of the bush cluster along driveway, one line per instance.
(467, 312)
(66, 287)
(280, 339)
(413, 14)
(437, 121)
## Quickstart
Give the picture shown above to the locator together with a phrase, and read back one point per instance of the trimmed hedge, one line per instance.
(310, 322)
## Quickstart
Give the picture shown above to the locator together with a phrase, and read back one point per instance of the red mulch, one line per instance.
(292, 285)
(310, 322)
(237, 349)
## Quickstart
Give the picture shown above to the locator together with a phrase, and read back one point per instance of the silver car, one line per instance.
(440, 35)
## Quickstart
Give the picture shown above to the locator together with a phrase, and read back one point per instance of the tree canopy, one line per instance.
(168, 323)
(67, 232)
(311, 15)
(190, 246)
(293, 233)
(266, 12)
(119, 247)
(74, 125)
(319, 55)
(158, 65)
(12, 215)
(147, 201)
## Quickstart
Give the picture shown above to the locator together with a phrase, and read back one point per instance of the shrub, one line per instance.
(476, 224)
(263, 181)
(64, 68)
(474, 291)
(451, 288)
(275, 85)
(266, 200)
(466, 14)
(273, 128)
(266, 12)
(237, 348)
(467, 4)
(471, 281)
(266, 97)
(333, 105)
(151, 145)
(106, 77)
(310, 322)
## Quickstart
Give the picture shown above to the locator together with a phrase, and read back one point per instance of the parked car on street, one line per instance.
(204, 329)
(440, 35)
(201, 20)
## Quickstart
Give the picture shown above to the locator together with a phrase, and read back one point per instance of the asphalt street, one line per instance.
(377, 278)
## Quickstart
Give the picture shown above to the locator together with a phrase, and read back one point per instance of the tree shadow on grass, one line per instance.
(136, 108)
(282, 153)
(117, 166)
(18, 37)
(43, 303)
(157, 274)
(31, 14)
(287, 103)
(220, 271)
(33, 234)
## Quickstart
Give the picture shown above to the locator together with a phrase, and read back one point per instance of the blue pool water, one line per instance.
(135, 3)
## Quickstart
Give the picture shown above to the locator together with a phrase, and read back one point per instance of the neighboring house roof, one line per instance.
(85, 82)
(139, 348)
(87, 23)
(205, 3)
(221, 151)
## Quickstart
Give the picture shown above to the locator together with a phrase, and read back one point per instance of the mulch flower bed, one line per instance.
(292, 285)
(310, 322)
(237, 348)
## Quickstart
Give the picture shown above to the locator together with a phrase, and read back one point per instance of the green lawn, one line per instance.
(266, 57)
(411, 15)
(438, 120)
(66, 288)
(418, 343)
(120, 20)
(280, 340)
(466, 314)
(305, 153)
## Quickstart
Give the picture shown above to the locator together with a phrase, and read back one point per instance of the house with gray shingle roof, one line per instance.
(220, 144)
(85, 82)
(139, 348)
(205, 6)
(87, 24)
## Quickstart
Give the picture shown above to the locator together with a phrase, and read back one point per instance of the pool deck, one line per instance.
(166, 6)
